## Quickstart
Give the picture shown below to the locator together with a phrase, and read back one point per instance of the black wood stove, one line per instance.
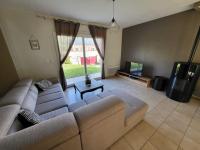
(184, 77)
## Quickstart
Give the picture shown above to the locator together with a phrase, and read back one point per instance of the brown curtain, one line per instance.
(99, 37)
(66, 32)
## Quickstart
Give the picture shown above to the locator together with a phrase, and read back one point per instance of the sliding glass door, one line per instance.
(83, 60)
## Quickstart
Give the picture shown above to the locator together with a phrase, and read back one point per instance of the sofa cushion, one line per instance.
(30, 100)
(50, 106)
(15, 96)
(34, 89)
(133, 104)
(7, 114)
(29, 118)
(54, 113)
(50, 97)
(52, 89)
(43, 84)
(74, 106)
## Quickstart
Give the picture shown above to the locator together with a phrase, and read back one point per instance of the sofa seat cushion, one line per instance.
(7, 114)
(50, 97)
(50, 106)
(134, 106)
(74, 106)
(54, 113)
(52, 89)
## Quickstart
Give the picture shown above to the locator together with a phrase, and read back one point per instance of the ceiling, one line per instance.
(128, 12)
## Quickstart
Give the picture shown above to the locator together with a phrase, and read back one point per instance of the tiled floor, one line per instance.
(168, 125)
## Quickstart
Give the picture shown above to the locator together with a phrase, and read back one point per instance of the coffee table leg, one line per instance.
(102, 89)
(82, 95)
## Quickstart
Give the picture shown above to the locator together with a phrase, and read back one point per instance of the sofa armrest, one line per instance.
(94, 113)
(44, 135)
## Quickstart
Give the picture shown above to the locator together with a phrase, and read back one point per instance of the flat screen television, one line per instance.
(136, 69)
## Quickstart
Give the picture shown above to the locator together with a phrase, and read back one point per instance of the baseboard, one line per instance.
(196, 97)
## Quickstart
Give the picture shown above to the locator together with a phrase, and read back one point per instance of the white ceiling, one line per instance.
(128, 12)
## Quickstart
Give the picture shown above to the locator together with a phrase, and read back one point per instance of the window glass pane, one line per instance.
(93, 61)
(63, 43)
(74, 64)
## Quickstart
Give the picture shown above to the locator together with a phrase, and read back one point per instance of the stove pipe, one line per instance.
(194, 48)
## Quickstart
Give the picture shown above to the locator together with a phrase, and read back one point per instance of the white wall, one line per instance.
(19, 25)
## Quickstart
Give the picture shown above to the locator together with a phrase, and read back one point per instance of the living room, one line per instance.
(86, 60)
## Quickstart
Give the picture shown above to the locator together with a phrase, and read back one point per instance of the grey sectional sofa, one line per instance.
(92, 124)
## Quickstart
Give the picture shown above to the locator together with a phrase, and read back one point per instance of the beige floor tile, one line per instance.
(162, 143)
(145, 129)
(180, 148)
(154, 118)
(172, 134)
(187, 109)
(153, 121)
(168, 104)
(164, 111)
(197, 115)
(178, 122)
(135, 139)
(181, 116)
(193, 134)
(156, 113)
(188, 144)
(121, 145)
(149, 146)
(195, 124)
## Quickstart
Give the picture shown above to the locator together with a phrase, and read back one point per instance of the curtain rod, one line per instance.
(68, 19)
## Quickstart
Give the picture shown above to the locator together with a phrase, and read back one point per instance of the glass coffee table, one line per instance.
(83, 88)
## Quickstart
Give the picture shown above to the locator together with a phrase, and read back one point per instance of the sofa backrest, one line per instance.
(17, 94)
(22, 96)
(30, 99)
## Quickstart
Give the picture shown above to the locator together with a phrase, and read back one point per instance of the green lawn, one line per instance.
(74, 70)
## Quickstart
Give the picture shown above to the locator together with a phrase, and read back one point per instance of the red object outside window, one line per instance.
(89, 60)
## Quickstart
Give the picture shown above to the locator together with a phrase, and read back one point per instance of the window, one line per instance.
(83, 59)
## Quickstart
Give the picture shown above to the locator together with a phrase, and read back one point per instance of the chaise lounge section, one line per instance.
(94, 123)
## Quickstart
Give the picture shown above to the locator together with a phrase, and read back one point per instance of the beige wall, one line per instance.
(20, 25)
(113, 51)
(159, 43)
(8, 75)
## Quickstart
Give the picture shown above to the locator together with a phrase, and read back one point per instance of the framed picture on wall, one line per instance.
(34, 44)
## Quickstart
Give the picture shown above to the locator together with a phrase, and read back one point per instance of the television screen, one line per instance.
(136, 69)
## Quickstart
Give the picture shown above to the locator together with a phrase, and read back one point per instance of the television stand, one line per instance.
(144, 81)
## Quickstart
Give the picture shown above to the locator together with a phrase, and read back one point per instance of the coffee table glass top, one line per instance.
(81, 86)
